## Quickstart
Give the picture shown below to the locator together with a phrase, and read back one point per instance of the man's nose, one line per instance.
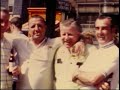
(66, 37)
(36, 27)
(100, 30)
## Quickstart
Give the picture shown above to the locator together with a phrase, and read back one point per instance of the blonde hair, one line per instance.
(72, 22)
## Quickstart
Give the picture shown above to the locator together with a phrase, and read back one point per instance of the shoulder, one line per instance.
(8, 39)
(54, 42)
(12, 37)
(61, 49)
(61, 52)
(114, 50)
(20, 38)
(8, 36)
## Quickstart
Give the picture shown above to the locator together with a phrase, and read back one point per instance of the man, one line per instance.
(102, 64)
(67, 61)
(15, 30)
(39, 50)
(16, 25)
(6, 46)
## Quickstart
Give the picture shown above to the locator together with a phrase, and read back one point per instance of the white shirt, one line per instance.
(37, 70)
(104, 60)
(66, 65)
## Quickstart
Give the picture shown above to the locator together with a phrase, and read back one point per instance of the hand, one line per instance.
(103, 86)
(16, 71)
(75, 76)
(79, 48)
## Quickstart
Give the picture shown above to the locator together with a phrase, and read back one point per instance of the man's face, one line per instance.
(69, 36)
(104, 32)
(37, 29)
(4, 20)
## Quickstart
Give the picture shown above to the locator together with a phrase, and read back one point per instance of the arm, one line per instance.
(101, 86)
(79, 47)
(93, 78)
(90, 78)
(111, 67)
(24, 67)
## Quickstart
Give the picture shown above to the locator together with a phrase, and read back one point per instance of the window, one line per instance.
(11, 9)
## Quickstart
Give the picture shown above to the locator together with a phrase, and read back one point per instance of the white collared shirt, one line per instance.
(37, 70)
(66, 65)
(107, 44)
(104, 60)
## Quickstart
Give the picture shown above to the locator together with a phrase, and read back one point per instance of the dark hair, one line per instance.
(16, 21)
(40, 17)
(112, 19)
(5, 10)
(104, 16)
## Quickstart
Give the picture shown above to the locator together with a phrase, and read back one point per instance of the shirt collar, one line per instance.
(17, 32)
(107, 45)
(40, 44)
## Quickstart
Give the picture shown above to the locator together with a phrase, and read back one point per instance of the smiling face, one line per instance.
(104, 31)
(37, 29)
(69, 35)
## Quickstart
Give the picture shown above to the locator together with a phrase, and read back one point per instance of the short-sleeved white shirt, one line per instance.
(106, 61)
(37, 70)
(66, 65)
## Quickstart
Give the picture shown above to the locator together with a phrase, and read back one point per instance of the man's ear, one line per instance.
(45, 26)
(114, 30)
(29, 34)
(12, 26)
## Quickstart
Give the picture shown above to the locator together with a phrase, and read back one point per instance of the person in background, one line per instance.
(16, 25)
(16, 32)
(15, 28)
(102, 64)
(6, 47)
(67, 61)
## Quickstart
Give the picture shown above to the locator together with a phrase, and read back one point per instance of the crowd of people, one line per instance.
(65, 62)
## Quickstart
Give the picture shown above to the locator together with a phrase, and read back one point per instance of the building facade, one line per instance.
(88, 10)
(14, 6)
(85, 10)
